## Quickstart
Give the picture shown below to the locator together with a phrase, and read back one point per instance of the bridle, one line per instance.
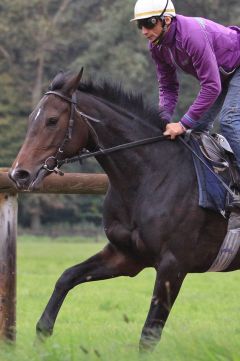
(57, 163)
(55, 167)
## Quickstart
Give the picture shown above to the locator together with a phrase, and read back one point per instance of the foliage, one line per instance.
(40, 37)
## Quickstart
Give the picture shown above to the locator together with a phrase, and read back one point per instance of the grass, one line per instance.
(103, 320)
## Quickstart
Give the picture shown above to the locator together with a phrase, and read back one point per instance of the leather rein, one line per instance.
(57, 163)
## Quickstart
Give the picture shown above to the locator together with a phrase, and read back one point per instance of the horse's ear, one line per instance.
(79, 77)
(58, 81)
(81, 74)
(73, 83)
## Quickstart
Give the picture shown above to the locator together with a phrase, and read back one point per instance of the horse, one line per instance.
(151, 215)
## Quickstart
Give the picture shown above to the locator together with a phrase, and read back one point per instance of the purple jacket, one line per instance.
(208, 51)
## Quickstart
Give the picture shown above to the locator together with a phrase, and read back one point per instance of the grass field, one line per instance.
(103, 320)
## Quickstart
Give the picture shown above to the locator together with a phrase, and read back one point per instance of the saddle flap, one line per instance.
(213, 151)
(218, 152)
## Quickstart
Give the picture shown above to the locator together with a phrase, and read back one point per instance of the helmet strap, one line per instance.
(165, 28)
(164, 9)
(164, 25)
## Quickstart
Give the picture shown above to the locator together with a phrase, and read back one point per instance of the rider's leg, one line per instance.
(230, 115)
(207, 120)
(230, 125)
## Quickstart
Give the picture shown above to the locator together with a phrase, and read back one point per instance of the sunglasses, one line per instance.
(148, 23)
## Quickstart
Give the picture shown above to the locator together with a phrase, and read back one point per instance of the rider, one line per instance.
(204, 49)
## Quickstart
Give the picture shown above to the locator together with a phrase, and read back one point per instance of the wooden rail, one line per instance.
(70, 183)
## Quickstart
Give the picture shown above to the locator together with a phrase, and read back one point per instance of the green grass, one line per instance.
(203, 325)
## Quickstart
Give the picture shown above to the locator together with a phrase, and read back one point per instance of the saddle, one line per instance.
(215, 152)
(218, 152)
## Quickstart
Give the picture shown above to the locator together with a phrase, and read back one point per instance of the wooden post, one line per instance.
(69, 184)
(8, 230)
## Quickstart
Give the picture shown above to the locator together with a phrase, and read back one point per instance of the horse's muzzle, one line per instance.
(24, 180)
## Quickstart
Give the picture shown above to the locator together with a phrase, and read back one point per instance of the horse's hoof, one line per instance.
(147, 345)
(145, 348)
(43, 331)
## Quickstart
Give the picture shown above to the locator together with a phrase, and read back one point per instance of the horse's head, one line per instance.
(50, 137)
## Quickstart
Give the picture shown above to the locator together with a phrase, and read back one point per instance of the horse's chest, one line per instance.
(123, 237)
(118, 234)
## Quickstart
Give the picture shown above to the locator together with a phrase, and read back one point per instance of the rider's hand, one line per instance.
(174, 129)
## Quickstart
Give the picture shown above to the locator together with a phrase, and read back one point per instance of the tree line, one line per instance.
(41, 37)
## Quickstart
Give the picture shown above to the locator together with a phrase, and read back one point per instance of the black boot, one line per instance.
(234, 204)
(234, 219)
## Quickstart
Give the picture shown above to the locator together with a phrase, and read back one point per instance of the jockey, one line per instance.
(204, 49)
(211, 53)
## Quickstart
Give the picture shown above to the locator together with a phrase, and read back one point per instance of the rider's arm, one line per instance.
(204, 61)
(168, 87)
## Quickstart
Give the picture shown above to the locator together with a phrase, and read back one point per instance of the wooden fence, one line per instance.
(70, 183)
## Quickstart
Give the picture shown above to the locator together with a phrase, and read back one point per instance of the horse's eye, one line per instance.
(51, 121)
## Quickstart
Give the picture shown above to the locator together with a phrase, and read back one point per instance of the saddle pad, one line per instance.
(212, 194)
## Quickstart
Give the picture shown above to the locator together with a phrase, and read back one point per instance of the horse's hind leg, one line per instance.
(108, 263)
(168, 283)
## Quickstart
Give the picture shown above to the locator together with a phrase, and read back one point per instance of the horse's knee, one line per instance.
(64, 282)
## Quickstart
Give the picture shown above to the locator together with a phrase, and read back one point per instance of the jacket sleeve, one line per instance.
(205, 64)
(168, 87)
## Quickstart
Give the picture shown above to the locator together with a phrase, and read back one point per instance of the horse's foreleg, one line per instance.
(108, 263)
(168, 283)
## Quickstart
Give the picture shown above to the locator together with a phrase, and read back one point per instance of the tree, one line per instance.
(40, 37)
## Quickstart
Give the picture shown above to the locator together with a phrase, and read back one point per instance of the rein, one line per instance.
(86, 154)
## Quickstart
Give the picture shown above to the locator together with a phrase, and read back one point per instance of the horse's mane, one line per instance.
(114, 94)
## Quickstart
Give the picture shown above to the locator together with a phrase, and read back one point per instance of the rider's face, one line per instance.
(154, 33)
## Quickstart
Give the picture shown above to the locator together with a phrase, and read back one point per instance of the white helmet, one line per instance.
(147, 8)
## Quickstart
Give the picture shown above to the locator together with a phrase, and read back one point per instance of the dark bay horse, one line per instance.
(151, 213)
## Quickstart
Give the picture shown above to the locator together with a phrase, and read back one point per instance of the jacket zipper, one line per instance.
(173, 60)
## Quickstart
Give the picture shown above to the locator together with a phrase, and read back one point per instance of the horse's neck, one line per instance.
(133, 165)
(116, 124)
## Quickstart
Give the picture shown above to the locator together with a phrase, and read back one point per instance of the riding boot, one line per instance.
(235, 203)
(234, 219)
(230, 245)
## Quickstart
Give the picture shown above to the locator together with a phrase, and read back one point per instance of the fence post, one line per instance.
(69, 184)
(8, 236)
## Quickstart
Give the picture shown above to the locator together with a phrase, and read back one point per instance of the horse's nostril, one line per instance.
(21, 175)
